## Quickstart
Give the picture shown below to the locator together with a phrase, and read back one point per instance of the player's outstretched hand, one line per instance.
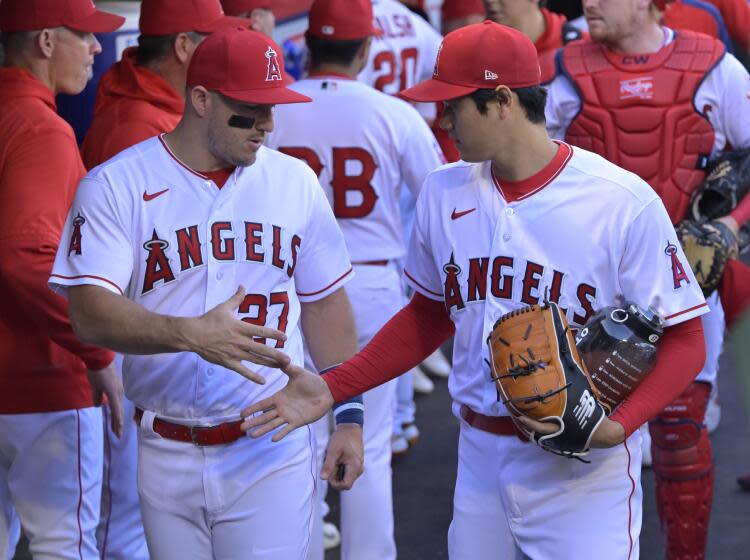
(304, 399)
(220, 337)
(608, 434)
(107, 382)
(345, 457)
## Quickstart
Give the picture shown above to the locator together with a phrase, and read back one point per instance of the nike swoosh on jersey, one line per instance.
(147, 197)
(456, 215)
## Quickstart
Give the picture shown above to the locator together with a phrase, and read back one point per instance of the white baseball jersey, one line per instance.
(363, 145)
(404, 55)
(379, 142)
(587, 235)
(148, 227)
(721, 97)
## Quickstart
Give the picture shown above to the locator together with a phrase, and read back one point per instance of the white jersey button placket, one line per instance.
(509, 213)
(493, 307)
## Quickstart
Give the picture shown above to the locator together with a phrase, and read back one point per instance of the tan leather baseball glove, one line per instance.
(539, 373)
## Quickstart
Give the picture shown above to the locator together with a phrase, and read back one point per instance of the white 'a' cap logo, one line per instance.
(273, 71)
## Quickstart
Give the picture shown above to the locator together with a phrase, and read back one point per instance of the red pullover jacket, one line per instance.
(41, 360)
(132, 104)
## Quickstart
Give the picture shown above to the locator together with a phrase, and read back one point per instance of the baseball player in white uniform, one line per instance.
(522, 218)
(164, 240)
(363, 145)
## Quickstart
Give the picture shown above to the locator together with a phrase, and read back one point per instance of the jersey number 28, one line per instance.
(342, 183)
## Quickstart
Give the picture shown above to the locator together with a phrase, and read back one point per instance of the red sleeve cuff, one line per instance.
(99, 359)
(681, 355)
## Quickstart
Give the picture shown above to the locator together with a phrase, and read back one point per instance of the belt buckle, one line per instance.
(194, 435)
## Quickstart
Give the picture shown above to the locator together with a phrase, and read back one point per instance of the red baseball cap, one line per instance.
(342, 20)
(79, 15)
(235, 7)
(244, 65)
(165, 17)
(456, 9)
(662, 4)
(478, 56)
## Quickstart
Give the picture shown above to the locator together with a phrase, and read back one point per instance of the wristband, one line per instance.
(350, 411)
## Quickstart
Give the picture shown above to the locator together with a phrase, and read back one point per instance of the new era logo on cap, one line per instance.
(490, 75)
(328, 30)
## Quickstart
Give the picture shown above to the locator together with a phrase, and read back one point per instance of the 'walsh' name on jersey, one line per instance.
(499, 273)
(263, 243)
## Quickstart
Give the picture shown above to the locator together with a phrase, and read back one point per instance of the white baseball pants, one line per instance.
(51, 470)
(514, 500)
(247, 500)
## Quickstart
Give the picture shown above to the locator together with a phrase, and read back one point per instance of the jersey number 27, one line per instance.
(260, 303)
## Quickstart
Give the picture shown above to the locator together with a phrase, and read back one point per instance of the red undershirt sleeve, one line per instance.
(680, 357)
(734, 291)
(411, 335)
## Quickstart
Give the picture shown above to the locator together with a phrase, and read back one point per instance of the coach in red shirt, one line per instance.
(50, 430)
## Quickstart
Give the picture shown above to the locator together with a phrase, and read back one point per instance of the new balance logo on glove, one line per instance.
(584, 409)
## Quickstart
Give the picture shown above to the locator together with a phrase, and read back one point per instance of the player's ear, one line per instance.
(183, 47)
(45, 42)
(199, 100)
(504, 99)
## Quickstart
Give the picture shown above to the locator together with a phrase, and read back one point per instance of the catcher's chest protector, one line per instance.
(637, 111)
